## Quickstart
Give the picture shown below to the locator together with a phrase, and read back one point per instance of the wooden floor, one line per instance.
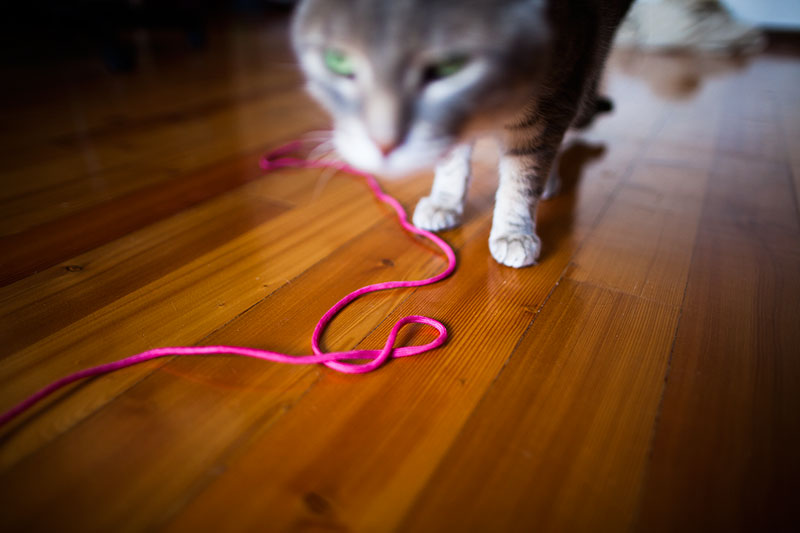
(644, 376)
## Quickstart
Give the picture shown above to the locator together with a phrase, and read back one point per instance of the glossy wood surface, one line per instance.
(645, 376)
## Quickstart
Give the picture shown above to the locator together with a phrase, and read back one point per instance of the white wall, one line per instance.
(769, 13)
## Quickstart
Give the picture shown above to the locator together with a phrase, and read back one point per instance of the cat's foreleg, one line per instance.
(445, 205)
(513, 240)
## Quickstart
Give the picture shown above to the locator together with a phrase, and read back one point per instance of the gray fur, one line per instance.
(532, 70)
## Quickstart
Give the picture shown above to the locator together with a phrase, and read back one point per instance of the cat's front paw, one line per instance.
(515, 250)
(434, 217)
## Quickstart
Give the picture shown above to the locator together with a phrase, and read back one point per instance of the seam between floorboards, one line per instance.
(231, 451)
(637, 511)
(199, 487)
(179, 176)
(634, 163)
(659, 408)
(160, 364)
(202, 483)
(166, 361)
(239, 443)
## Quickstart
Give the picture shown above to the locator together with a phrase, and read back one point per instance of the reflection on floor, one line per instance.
(643, 376)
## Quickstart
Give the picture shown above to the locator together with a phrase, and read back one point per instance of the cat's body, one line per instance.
(411, 83)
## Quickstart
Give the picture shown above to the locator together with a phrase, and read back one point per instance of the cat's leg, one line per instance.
(523, 174)
(445, 205)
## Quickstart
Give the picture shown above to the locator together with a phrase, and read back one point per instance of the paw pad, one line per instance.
(515, 250)
(434, 217)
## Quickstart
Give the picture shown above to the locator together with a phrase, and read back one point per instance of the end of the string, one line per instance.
(270, 161)
(265, 163)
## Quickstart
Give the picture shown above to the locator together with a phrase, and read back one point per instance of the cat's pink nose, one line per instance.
(386, 148)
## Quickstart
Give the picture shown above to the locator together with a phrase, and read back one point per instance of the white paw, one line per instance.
(515, 249)
(433, 217)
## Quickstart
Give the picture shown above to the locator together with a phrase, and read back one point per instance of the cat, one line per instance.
(411, 83)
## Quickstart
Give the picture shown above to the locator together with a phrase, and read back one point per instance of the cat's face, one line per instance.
(404, 80)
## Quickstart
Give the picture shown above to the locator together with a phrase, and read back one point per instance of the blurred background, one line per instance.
(116, 31)
(770, 13)
(119, 33)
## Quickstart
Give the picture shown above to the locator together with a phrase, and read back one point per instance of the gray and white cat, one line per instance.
(412, 83)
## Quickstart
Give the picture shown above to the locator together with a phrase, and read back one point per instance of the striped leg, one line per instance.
(523, 173)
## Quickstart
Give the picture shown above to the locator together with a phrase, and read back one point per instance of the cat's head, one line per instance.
(404, 80)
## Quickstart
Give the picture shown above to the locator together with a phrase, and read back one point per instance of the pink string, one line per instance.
(339, 361)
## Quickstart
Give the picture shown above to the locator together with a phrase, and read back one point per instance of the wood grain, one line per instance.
(608, 349)
(725, 450)
(384, 436)
(183, 306)
(642, 377)
(589, 374)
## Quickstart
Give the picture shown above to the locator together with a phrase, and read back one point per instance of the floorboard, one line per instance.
(644, 376)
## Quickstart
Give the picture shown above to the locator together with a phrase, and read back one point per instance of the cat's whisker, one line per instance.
(322, 181)
(320, 148)
(322, 151)
(318, 135)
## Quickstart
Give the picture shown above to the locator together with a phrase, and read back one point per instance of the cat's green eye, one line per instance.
(448, 68)
(338, 63)
(444, 69)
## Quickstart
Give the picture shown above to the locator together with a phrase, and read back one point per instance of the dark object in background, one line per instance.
(32, 32)
(36, 32)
